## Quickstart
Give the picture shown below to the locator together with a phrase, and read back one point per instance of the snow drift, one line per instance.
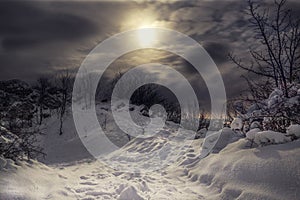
(231, 171)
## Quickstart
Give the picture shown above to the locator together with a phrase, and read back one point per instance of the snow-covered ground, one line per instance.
(233, 171)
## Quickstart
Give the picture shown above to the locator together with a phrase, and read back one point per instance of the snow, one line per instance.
(7, 164)
(275, 92)
(162, 166)
(275, 112)
(273, 101)
(130, 193)
(255, 124)
(237, 124)
(201, 133)
(294, 130)
(250, 135)
(2, 163)
(61, 148)
(225, 136)
(270, 137)
(270, 172)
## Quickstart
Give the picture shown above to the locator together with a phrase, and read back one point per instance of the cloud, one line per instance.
(40, 37)
(25, 25)
(43, 37)
(218, 51)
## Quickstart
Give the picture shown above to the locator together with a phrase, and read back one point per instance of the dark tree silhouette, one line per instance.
(277, 57)
(41, 87)
(64, 83)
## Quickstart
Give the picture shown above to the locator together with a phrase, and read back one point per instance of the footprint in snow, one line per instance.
(84, 177)
(102, 176)
(61, 176)
(190, 155)
(97, 193)
(88, 183)
(117, 173)
(81, 190)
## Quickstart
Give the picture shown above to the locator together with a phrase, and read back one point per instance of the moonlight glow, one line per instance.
(146, 36)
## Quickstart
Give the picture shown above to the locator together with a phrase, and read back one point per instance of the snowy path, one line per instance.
(95, 180)
(92, 179)
(87, 181)
(154, 167)
(234, 173)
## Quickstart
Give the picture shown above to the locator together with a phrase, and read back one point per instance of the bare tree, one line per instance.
(19, 141)
(64, 82)
(41, 87)
(84, 94)
(277, 57)
(20, 146)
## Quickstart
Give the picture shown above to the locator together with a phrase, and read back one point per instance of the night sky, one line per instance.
(39, 38)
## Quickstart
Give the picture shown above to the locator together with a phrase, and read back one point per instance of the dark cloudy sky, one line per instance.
(41, 37)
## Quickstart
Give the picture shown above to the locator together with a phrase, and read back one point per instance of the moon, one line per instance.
(146, 36)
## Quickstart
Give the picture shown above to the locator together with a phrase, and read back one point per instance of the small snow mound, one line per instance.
(130, 193)
(219, 140)
(294, 130)
(270, 137)
(255, 124)
(201, 133)
(273, 101)
(143, 187)
(120, 188)
(276, 92)
(236, 124)
(2, 163)
(250, 135)
(10, 164)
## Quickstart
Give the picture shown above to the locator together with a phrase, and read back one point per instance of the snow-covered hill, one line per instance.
(270, 172)
(234, 171)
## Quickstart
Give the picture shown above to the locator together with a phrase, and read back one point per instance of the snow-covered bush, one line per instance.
(274, 113)
(293, 130)
(272, 99)
(19, 146)
(262, 138)
(227, 136)
(2, 163)
(270, 118)
(269, 137)
(236, 124)
(250, 135)
(255, 124)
